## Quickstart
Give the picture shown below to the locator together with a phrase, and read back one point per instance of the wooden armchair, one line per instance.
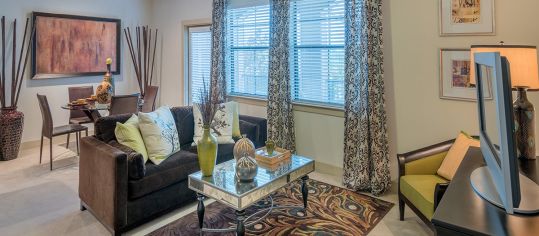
(419, 186)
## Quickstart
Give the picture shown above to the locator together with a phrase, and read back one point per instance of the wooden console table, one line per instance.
(462, 212)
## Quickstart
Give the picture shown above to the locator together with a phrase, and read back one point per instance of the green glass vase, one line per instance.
(207, 152)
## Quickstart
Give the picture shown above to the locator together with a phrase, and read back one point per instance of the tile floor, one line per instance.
(36, 201)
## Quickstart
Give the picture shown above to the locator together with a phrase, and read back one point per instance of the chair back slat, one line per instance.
(150, 96)
(79, 93)
(46, 115)
(124, 104)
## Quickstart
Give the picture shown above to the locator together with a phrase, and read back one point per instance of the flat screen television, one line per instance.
(499, 182)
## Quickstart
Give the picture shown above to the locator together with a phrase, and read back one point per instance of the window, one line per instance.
(318, 51)
(248, 43)
(199, 61)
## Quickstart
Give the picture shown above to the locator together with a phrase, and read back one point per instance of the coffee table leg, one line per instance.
(240, 228)
(200, 210)
(304, 190)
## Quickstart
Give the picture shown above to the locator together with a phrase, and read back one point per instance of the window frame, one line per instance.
(230, 56)
(294, 77)
(187, 82)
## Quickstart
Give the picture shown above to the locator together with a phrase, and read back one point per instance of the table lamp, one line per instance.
(524, 76)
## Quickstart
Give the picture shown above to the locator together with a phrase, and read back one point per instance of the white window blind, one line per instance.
(318, 51)
(248, 42)
(199, 61)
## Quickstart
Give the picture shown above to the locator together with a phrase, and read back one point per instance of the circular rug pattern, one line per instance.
(331, 210)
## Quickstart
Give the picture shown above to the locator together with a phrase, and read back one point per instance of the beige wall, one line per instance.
(131, 12)
(416, 115)
(412, 62)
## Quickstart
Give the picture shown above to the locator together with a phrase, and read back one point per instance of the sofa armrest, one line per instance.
(261, 130)
(422, 154)
(439, 191)
(103, 177)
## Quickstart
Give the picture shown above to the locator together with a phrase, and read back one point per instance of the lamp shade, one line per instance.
(522, 63)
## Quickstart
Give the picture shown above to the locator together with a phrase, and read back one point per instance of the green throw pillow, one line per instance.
(128, 134)
(160, 135)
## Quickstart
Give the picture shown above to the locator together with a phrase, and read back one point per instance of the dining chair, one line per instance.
(48, 130)
(124, 104)
(150, 96)
(78, 116)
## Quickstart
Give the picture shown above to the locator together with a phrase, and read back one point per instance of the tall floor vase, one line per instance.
(207, 152)
(11, 125)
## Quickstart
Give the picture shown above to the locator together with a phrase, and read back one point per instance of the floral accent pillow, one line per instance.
(221, 126)
(159, 132)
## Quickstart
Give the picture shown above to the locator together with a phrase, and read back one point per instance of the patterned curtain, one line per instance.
(280, 116)
(366, 163)
(218, 50)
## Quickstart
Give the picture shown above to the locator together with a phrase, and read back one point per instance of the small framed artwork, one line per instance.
(466, 17)
(455, 76)
(71, 46)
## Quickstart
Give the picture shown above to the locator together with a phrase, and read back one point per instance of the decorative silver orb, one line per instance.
(244, 147)
(246, 169)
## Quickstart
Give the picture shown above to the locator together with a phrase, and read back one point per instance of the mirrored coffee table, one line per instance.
(224, 188)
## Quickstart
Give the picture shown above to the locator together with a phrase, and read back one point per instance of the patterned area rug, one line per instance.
(330, 211)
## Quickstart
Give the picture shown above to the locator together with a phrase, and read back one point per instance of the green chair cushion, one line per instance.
(419, 189)
(425, 166)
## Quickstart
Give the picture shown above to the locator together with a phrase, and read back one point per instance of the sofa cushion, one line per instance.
(185, 123)
(129, 135)
(221, 126)
(158, 129)
(104, 126)
(174, 169)
(225, 152)
(419, 189)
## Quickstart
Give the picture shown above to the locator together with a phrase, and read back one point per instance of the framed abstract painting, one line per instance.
(466, 17)
(455, 76)
(71, 46)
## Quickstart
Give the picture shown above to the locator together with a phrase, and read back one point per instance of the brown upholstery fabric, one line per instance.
(153, 205)
(174, 169)
(124, 104)
(103, 181)
(136, 167)
(104, 126)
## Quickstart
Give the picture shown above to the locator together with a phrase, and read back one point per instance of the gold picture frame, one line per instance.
(467, 17)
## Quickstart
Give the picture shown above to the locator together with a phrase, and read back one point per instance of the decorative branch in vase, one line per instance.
(207, 145)
(142, 53)
(11, 120)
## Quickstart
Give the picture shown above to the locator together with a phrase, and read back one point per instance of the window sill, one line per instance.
(297, 106)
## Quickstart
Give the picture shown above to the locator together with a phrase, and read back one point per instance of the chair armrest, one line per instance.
(261, 130)
(103, 177)
(422, 153)
(439, 191)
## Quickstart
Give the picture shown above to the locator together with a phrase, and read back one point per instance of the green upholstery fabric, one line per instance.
(425, 166)
(419, 189)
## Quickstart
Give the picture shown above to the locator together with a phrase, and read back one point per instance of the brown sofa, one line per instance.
(122, 192)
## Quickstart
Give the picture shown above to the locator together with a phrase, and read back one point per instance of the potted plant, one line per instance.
(11, 120)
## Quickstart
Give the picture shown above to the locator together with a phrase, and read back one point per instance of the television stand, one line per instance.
(462, 212)
(484, 186)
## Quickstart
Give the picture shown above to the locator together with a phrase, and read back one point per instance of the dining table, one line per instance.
(91, 109)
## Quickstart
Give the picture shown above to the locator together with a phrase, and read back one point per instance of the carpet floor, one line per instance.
(331, 210)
